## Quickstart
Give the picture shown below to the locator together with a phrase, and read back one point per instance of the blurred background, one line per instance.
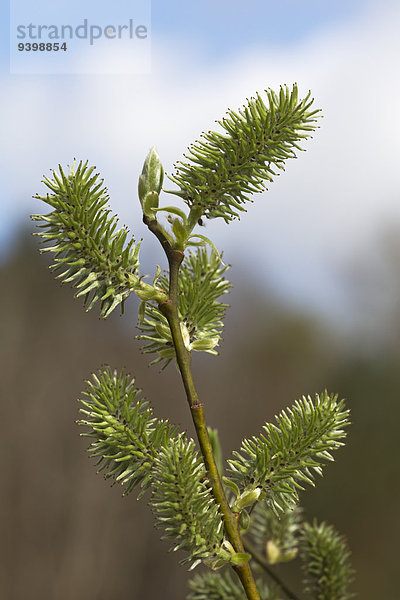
(315, 302)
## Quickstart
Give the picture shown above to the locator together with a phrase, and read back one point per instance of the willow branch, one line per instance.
(169, 308)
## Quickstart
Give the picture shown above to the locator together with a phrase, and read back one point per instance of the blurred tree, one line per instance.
(52, 502)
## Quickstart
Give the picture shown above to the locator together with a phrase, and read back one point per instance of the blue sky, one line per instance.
(219, 30)
(223, 28)
(321, 215)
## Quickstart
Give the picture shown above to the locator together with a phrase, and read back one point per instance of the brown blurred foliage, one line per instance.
(67, 535)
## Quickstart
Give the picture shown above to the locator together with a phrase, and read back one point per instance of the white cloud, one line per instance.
(318, 215)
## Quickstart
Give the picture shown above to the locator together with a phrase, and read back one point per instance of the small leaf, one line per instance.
(180, 233)
(157, 275)
(240, 558)
(206, 240)
(231, 485)
(174, 211)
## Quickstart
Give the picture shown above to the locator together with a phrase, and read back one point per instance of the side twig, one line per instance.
(263, 563)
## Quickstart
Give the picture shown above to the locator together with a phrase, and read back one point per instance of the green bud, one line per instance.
(150, 183)
(147, 292)
(244, 521)
(185, 336)
(247, 498)
(275, 554)
(227, 546)
(163, 331)
(204, 344)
